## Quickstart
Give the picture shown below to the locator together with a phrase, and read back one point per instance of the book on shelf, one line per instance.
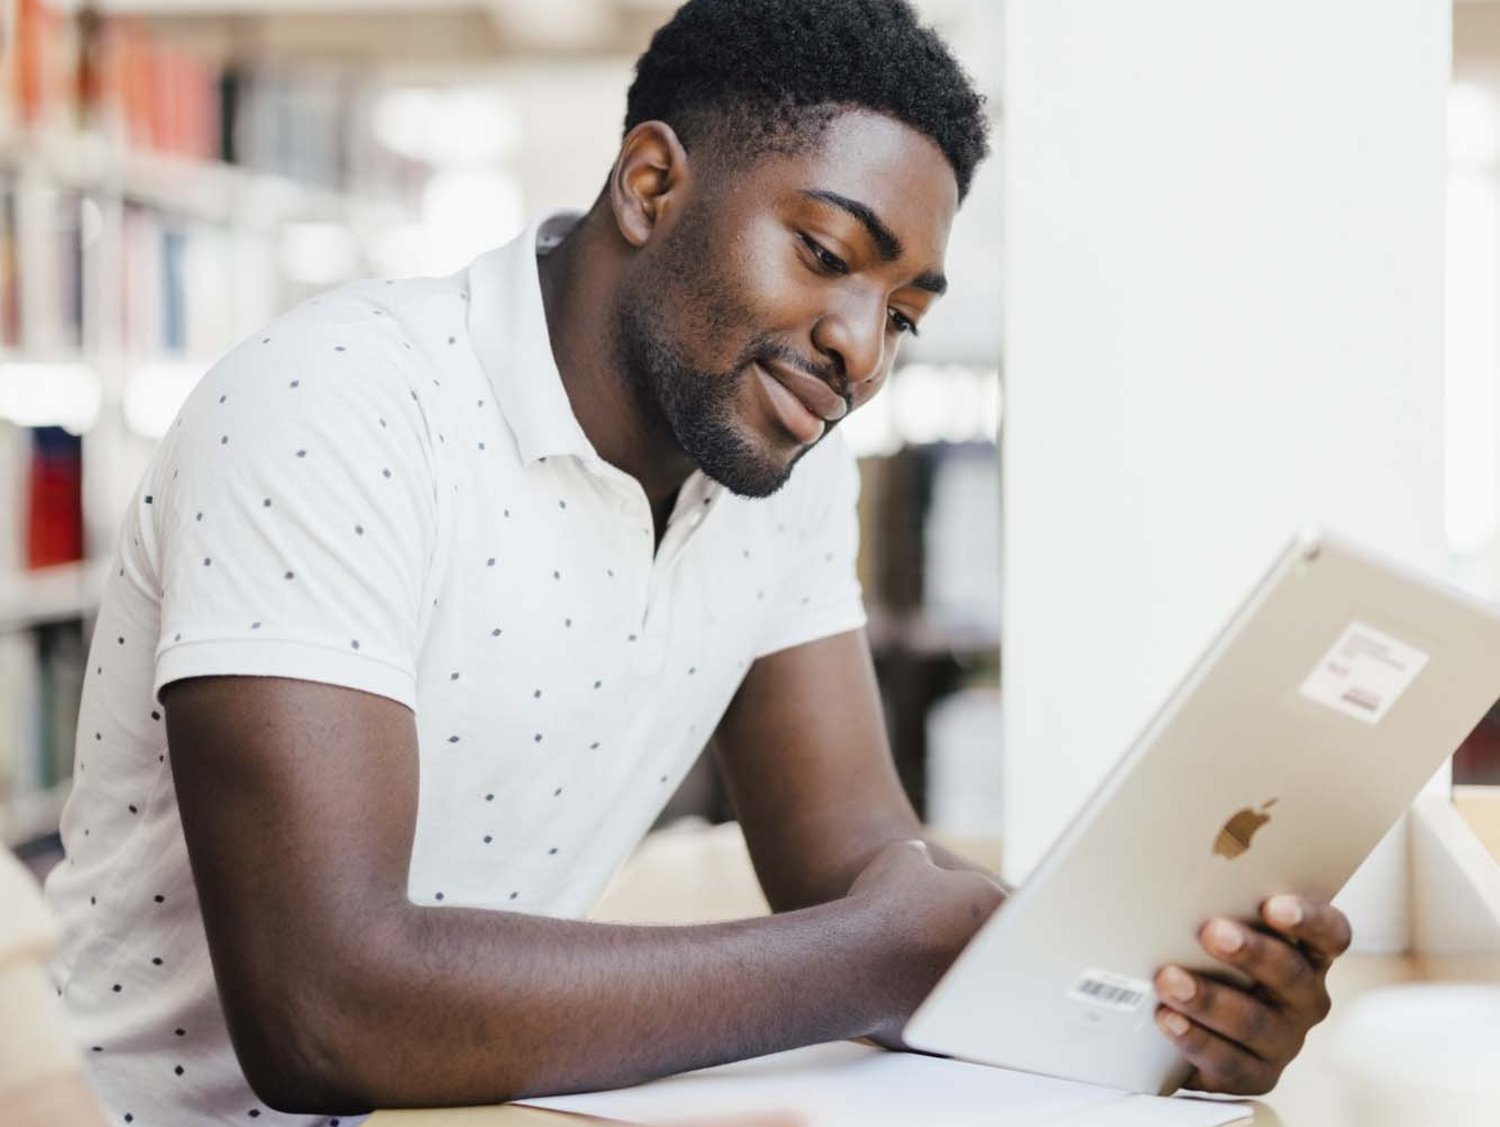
(10, 271)
(41, 666)
(179, 280)
(15, 472)
(50, 269)
(961, 579)
(61, 657)
(117, 77)
(965, 761)
(42, 685)
(54, 498)
(22, 771)
(41, 498)
(930, 535)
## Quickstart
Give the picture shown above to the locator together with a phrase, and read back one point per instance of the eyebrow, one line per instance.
(886, 243)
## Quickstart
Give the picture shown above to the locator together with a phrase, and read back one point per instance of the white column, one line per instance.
(1224, 321)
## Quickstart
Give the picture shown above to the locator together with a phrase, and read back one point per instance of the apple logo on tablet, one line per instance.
(1240, 831)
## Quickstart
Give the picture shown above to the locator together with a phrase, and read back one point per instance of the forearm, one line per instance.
(824, 867)
(471, 1007)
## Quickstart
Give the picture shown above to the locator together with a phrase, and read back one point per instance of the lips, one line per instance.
(819, 399)
(795, 417)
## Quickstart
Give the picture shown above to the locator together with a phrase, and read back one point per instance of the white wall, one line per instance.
(1224, 320)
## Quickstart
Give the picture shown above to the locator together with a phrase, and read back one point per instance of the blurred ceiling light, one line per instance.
(464, 213)
(398, 250)
(927, 403)
(555, 23)
(950, 403)
(461, 127)
(319, 254)
(64, 394)
(155, 392)
(1473, 129)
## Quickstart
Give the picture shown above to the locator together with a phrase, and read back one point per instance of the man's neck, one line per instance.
(579, 280)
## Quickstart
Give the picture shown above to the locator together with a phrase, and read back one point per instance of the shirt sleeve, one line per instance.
(818, 593)
(294, 512)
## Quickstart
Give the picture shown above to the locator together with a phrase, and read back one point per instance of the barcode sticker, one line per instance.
(1111, 991)
(1364, 674)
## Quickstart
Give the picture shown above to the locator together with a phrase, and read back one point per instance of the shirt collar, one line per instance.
(508, 325)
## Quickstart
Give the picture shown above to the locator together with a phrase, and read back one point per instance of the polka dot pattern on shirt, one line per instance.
(419, 523)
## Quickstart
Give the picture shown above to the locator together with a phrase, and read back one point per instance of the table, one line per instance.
(697, 875)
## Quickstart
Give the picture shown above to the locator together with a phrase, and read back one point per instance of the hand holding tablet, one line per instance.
(1239, 1040)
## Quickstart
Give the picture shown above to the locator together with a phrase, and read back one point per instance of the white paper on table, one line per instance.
(844, 1084)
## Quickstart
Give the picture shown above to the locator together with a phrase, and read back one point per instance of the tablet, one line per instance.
(1299, 738)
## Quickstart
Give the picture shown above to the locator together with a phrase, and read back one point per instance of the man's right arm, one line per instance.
(299, 803)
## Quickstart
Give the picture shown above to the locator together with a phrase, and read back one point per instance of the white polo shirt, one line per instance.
(387, 489)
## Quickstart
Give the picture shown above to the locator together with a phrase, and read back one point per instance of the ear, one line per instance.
(650, 180)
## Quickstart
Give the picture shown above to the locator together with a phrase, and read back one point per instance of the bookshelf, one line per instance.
(62, 593)
(145, 194)
(407, 33)
(211, 191)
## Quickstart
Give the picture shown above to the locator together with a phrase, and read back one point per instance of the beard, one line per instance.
(697, 409)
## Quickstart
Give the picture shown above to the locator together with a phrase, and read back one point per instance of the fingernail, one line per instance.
(918, 843)
(1178, 985)
(1284, 911)
(1225, 936)
(1175, 1024)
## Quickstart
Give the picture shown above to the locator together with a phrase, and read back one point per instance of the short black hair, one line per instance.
(768, 75)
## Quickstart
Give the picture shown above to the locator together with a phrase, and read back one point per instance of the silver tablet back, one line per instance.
(1295, 743)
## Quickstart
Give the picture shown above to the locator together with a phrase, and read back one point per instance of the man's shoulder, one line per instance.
(396, 332)
(413, 314)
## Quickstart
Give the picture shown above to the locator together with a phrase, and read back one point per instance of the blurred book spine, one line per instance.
(41, 688)
(965, 762)
(54, 500)
(961, 539)
(930, 534)
(61, 655)
(10, 272)
(22, 764)
(118, 77)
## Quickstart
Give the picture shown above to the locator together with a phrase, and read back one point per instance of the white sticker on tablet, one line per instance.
(1364, 674)
(1110, 991)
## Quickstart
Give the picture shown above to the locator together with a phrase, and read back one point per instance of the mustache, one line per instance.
(831, 373)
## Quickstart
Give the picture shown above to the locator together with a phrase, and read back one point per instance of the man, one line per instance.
(442, 584)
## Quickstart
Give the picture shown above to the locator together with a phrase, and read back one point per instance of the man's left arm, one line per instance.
(804, 754)
(805, 757)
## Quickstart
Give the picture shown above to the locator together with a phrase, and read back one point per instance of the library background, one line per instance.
(174, 173)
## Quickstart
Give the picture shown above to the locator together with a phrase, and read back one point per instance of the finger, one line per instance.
(1278, 968)
(1316, 924)
(1220, 1065)
(1229, 1012)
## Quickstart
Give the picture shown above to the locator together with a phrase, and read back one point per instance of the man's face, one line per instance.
(774, 303)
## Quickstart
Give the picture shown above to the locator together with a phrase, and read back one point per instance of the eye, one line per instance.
(903, 323)
(828, 262)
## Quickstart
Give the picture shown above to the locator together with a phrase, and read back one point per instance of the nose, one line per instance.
(853, 335)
